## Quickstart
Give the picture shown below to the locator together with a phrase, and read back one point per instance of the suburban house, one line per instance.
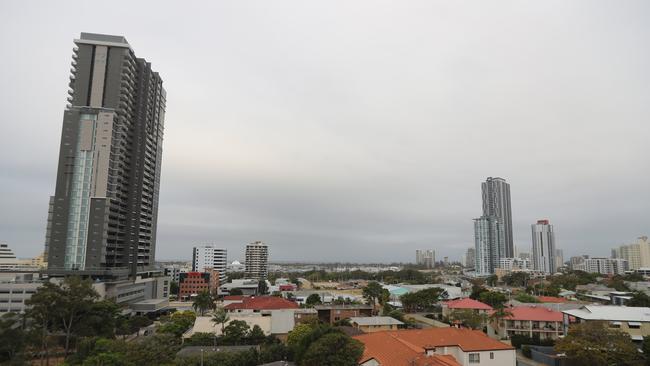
(531, 321)
(330, 314)
(631, 320)
(434, 347)
(450, 306)
(369, 324)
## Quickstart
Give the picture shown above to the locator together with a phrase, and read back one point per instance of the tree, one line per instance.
(256, 335)
(595, 344)
(372, 292)
(173, 288)
(499, 314)
(421, 300)
(397, 315)
(527, 298)
(469, 318)
(100, 320)
(639, 299)
(62, 305)
(299, 332)
(262, 288)
(12, 336)
(313, 299)
(516, 279)
(203, 302)
(492, 280)
(493, 298)
(220, 316)
(178, 323)
(235, 331)
(333, 349)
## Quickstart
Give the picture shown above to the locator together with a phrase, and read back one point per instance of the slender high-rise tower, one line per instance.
(257, 260)
(489, 244)
(544, 250)
(496, 202)
(102, 217)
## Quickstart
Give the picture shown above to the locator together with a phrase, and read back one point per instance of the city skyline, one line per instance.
(303, 132)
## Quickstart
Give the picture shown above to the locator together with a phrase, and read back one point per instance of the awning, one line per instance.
(637, 337)
(616, 323)
(634, 324)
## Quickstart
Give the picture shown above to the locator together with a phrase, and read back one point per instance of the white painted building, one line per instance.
(208, 256)
(602, 265)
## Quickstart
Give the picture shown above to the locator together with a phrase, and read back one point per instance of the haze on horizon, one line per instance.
(354, 131)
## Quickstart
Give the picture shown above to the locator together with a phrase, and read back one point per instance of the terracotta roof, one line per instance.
(400, 346)
(535, 313)
(467, 303)
(390, 350)
(262, 303)
(551, 299)
(234, 297)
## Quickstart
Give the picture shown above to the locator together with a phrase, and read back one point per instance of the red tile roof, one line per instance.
(401, 346)
(389, 349)
(535, 313)
(234, 297)
(262, 303)
(467, 303)
(551, 299)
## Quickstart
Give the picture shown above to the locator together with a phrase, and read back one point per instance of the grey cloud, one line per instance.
(354, 130)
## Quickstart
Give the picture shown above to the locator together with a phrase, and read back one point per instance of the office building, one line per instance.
(543, 247)
(470, 258)
(489, 244)
(637, 254)
(257, 260)
(103, 215)
(425, 257)
(206, 257)
(496, 202)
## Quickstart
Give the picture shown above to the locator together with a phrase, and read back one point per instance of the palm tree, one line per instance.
(499, 314)
(220, 316)
(203, 302)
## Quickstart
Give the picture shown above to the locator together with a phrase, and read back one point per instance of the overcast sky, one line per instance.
(353, 130)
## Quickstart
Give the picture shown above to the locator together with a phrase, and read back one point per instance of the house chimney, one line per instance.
(429, 350)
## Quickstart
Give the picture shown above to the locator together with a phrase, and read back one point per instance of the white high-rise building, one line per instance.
(207, 256)
(489, 244)
(257, 260)
(543, 247)
(425, 258)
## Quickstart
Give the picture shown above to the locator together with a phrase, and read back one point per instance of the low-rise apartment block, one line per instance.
(631, 320)
(531, 321)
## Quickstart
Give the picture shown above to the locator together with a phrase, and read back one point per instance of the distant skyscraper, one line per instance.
(559, 258)
(489, 244)
(103, 215)
(636, 254)
(496, 202)
(206, 257)
(425, 258)
(543, 247)
(470, 258)
(257, 259)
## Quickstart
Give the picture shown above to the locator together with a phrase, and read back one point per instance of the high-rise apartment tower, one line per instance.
(206, 257)
(496, 202)
(425, 257)
(489, 244)
(257, 259)
(543, 247)
(103, 215)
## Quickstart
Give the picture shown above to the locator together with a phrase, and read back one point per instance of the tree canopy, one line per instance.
(595, 344)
